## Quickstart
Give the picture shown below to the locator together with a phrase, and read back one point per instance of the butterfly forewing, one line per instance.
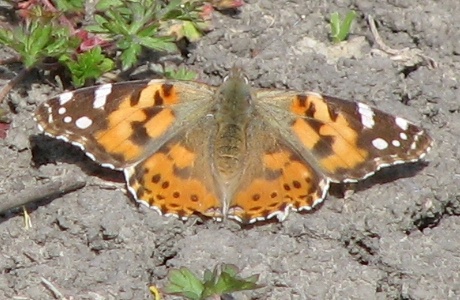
(119, 124)
(347, 140)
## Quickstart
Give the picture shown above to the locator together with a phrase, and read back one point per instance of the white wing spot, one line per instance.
(65, 97)
(67, 119)
(403, 136)
(62, 110)
(367, 115)
(156, 81)
(83, 122)
(48, 108)
(380, 144)
(100, 95)
(50, 118)
(90, 155)
(403, 124)
(396, 143)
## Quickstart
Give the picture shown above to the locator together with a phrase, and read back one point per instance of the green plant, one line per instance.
(131, 26)
(88, 65)
(179, 74)
(51, 32)
(341, 29)
(38, 39)
(222, 280)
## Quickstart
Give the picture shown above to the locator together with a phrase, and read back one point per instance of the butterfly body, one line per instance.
(233, 151)
(233, 113)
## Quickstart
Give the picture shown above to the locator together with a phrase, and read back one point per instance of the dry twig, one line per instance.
(408, 56)
(62, 185)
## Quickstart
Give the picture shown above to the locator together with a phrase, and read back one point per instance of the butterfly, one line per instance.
(232, 151)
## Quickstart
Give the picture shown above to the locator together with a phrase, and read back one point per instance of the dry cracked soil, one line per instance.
(393, 238)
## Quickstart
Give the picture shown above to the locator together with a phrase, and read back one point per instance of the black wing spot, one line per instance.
(135, 98)
(296, 184)
(167, 88)
(156, 178)
(158, 99)
(140, 135)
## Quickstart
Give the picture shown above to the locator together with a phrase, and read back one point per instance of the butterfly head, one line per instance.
(236, 74)
(235, 93)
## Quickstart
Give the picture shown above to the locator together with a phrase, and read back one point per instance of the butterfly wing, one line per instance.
(301, 142)
(276, 179)
(178, 178)
(161, 134)
(155, 131)
(346, 141)
(120, 124)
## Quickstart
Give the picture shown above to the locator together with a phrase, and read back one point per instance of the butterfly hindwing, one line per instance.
(277, 179)
(178, 178)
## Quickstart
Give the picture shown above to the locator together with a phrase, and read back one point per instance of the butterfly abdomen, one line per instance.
(232, 114)
(229, 149)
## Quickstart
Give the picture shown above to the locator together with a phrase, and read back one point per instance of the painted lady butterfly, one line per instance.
(230, 151)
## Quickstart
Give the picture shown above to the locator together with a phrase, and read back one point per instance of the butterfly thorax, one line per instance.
(232, 114)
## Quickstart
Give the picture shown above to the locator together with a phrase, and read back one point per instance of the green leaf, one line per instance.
(191, 32)
(88, 65)
(222, 280)
(117, 24)
(69, 5)
(137, 18)
(38, 40)
(349, 18)
(126, 43)
(129, 56)
(104, 5)
(39, 37)
(100, 26)
(228, 282)
(142, 23)
(171, 11)
(335, 25)
(6, 39)
(159, 44)
(183, 282)
(340, 30)
(149, 30)
(209, 276)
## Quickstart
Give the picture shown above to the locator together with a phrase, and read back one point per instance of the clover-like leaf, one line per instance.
(183, 282)
(227, 281)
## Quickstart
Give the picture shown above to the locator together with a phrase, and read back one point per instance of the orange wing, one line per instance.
(276, 179)
(119, 124)
(346, 141)
(178, 179)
